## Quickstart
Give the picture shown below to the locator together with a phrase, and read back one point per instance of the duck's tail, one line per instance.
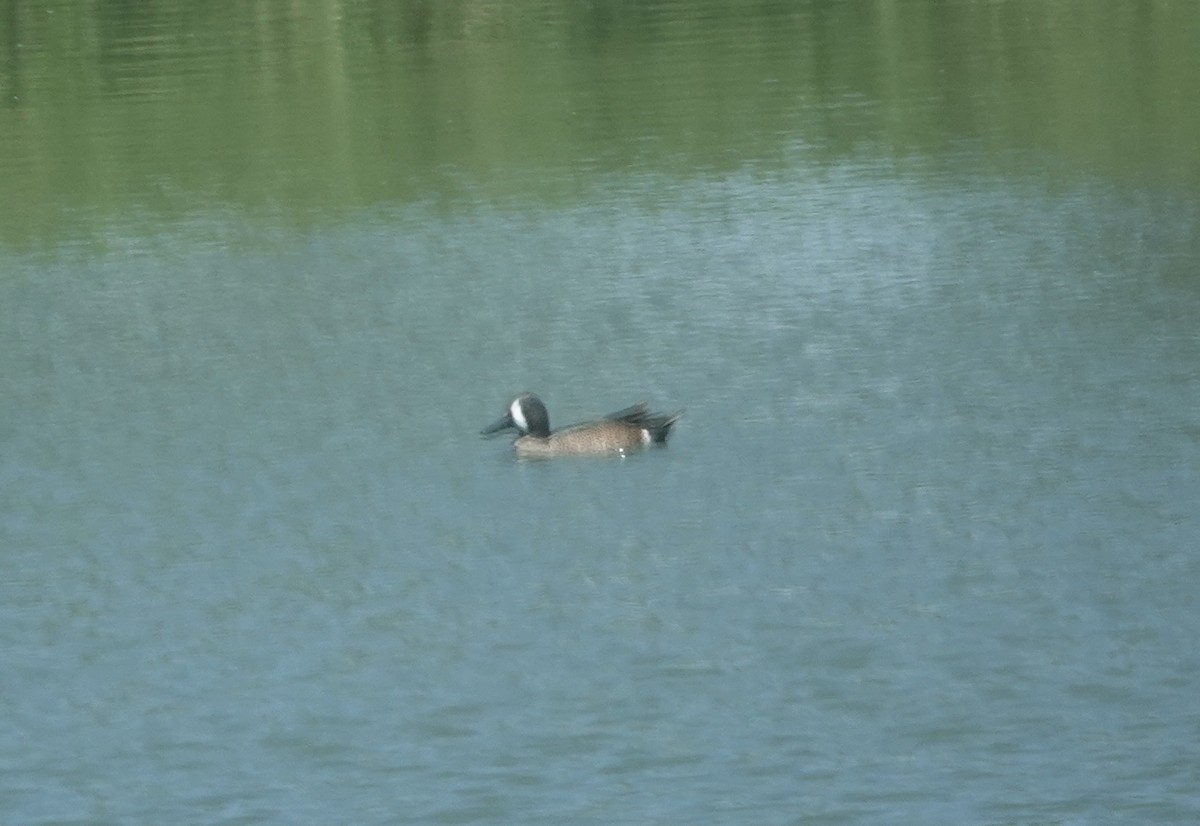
(658, 425)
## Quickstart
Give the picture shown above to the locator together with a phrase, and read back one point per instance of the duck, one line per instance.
(620, 433)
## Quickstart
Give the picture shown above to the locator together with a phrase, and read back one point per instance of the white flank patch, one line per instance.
(645, 436)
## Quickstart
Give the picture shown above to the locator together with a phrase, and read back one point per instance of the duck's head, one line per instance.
(526, 414)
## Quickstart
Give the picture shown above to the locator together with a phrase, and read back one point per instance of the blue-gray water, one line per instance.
(923, 548)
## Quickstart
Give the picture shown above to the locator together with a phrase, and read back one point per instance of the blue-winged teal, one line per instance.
(617, 433)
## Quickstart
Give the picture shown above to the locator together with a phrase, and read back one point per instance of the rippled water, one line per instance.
(922, 549)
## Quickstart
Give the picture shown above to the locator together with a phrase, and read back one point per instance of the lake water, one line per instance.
(923, 548)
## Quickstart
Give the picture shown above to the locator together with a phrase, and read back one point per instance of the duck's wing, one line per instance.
(632, 414)
(640, 415)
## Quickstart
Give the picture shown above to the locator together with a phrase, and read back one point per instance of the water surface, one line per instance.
(922, 548)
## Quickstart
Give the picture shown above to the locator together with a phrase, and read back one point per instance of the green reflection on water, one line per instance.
(304, 109)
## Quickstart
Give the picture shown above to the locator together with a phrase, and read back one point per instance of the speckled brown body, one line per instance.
(619, 433)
